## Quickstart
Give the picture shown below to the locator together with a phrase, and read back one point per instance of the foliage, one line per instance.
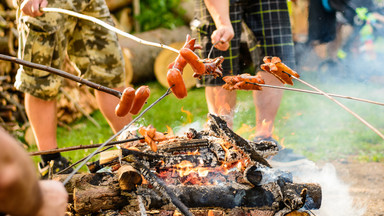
(160, 14)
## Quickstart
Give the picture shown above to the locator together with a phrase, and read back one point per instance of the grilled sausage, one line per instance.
(141, 96)
(126, 101)
(175, 79)
(194, 60)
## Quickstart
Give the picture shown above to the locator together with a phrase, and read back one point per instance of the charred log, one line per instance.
(104, 193)
(218, 127)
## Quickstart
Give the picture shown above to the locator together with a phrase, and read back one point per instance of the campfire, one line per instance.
(208, 172)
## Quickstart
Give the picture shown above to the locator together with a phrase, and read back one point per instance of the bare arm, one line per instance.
(219, 10)
(20, 193)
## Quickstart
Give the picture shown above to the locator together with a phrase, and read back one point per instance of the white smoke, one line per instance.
(336, 199)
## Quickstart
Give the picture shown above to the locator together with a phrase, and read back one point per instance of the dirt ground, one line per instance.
(366, 184)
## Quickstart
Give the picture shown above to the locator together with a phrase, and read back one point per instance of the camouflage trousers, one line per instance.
(93, 50)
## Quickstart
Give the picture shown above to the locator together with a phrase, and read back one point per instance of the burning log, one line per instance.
(218, 127)
(213, 168)
(103, 192)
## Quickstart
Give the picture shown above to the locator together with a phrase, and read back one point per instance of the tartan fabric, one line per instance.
(266, 26)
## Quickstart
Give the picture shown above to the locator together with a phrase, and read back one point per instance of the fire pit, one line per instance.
(210, 172)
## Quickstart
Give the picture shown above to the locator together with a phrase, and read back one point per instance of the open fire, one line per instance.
(193, 174)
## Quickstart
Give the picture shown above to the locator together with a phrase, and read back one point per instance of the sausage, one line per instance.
(126, 101)
(175, 79)
(194, 60)
(141, 96)
(180, 62)
(149, 133)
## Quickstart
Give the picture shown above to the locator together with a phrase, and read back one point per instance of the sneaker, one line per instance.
(58, 165)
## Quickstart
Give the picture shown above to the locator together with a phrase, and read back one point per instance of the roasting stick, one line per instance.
(317, 93)
(72, 148)
(340, 104)
(62, 74)
(114, 136)
(112, 28)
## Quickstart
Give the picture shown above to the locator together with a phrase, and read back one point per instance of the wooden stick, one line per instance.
(112, 28)
(342, 106)
(62, 74)
(78, 107)
(317, 93)
(160, 185)
(114, 136)
(73, 148)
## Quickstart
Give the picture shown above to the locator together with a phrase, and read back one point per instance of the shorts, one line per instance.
(267, 30)
(93, 50)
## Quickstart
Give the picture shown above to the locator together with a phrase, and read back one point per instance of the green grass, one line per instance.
(311, 124)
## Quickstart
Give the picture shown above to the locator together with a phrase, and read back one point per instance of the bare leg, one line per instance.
(107, 104)
(267, 103)
(221, 102)
(42, 116)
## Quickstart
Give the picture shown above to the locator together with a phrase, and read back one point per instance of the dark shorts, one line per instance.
(267, 30)
(92, 49)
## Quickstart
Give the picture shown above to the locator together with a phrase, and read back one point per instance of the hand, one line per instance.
(55, 199)
(32, 7)
(224, 34)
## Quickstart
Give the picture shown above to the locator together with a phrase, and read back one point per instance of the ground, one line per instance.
(366, 184)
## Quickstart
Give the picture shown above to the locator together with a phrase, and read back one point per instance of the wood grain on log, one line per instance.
(128, 178)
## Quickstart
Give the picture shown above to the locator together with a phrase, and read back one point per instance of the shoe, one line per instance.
(58, 164)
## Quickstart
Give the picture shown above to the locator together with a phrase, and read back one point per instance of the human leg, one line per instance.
(42, 117)
(221, 102)
(107, 104)
(269, 34)
(97, 55)
(267, 103)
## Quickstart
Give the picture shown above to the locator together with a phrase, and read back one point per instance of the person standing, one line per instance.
(268, 33)
(46, 38)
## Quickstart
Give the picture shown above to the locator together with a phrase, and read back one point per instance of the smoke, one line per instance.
(336, 199)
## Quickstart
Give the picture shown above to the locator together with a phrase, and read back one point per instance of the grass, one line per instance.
(311, 124)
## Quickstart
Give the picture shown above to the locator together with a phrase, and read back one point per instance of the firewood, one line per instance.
(108, 156)
(220, 128)
(128, 178)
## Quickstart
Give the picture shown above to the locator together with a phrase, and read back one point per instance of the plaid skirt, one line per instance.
(266, 27)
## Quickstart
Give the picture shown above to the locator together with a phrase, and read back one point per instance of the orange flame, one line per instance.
(189, 115)
(169, 131)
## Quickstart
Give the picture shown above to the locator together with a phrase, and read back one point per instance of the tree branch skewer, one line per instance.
(317, 93)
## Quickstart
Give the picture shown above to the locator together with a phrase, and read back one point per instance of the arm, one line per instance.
(20, 191)
(219, 10)
(32, 7)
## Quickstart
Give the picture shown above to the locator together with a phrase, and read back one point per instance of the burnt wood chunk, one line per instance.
(128, 178)
(220, 129)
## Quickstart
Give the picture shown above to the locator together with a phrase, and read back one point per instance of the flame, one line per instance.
(189, 173)
(189, 115)
(265, 128)
(245, 129)
(169, 131)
